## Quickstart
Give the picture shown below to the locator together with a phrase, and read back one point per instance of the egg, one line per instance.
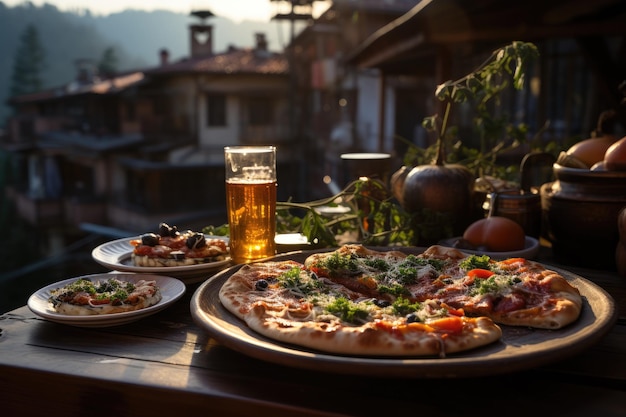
(496, 234)
(615, 156)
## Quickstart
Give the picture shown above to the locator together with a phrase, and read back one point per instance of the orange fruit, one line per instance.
(496, 234)
(591, 151)
(615, 157)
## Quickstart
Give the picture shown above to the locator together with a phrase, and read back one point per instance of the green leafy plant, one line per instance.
(483, 89)
(371, 217)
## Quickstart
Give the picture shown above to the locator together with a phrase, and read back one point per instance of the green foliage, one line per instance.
(28, 63)
(373, 218)
(109, 62)
(482, 89)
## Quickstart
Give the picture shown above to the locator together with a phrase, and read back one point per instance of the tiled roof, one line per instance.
(234, 61)
(67, 140)
(98, 86)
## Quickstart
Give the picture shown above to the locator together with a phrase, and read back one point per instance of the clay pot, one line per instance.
(580, 212)
(439, 193)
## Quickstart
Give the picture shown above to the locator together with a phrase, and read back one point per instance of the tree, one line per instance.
(108, 62)
(28, 63)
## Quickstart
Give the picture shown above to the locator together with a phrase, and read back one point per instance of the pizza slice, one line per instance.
(85, 297)
(514, 291)
(170, 247)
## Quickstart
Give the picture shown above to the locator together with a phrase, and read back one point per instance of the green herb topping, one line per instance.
(347, 310)
(299, 281)
(476, 262)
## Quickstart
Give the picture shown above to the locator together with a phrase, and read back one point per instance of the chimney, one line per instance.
(201, 35)
(261, 42)
(164, 55)
(86, 71)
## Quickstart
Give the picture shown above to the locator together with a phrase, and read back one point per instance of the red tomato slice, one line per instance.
(450, 324)
(511, 261)
(479, 273)
(143, 250)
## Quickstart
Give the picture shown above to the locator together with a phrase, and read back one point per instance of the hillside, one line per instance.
(136, 37)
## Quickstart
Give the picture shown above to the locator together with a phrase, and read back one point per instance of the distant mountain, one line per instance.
(143, 34)
(136, 36)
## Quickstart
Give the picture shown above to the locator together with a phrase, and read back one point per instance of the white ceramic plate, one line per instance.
(530, 249)
(171, 290)
(116, 255)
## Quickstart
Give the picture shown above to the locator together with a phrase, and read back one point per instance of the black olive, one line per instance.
(260, 285)
(382, 303)
(412, 318)
(314, 275)
(196, 241)
(150, 239)
(167, 230)
(177, 254)
(164, 229)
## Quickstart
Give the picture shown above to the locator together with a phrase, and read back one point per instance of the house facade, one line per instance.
(147, 146)
(135, 149)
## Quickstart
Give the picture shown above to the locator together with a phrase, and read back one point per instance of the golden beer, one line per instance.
(251, 206)
(251, 201)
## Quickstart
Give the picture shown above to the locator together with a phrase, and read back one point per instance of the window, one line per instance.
(131, 112)
(260, 111)
(216, 110)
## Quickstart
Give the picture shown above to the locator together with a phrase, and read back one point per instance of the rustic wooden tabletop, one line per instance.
(169, 364)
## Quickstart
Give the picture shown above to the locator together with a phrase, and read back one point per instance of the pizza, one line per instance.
(359, 301)
(514, 291)
(85, 297)
(170, 247)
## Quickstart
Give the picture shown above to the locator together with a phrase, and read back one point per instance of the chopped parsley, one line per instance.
(299, 280)
(393, 289)
(495, 284)
(476, 262)
(377, 264)
(414, 261)
(113, 290)
(81, 285)
(347, 310)
(404, 306)
(337, 263)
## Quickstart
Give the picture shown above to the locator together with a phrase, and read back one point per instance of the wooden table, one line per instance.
(166, 364)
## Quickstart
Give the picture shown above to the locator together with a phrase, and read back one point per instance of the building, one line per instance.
(138, 148)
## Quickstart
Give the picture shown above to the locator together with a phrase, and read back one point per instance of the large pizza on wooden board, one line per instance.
(358, 301)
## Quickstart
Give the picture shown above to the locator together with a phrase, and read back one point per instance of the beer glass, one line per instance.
(251, 201)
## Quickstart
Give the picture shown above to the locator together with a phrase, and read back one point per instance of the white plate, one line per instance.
(171, 290)
(531, 248)
(116, 255)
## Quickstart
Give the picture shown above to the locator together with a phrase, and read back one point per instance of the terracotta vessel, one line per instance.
(580, 211)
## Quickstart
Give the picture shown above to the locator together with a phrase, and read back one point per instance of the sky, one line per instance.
(236, 10)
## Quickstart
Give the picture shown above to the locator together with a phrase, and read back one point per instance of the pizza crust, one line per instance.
(368, 340)
(561, 307)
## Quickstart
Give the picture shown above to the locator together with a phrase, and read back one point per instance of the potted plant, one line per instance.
(438, 193)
